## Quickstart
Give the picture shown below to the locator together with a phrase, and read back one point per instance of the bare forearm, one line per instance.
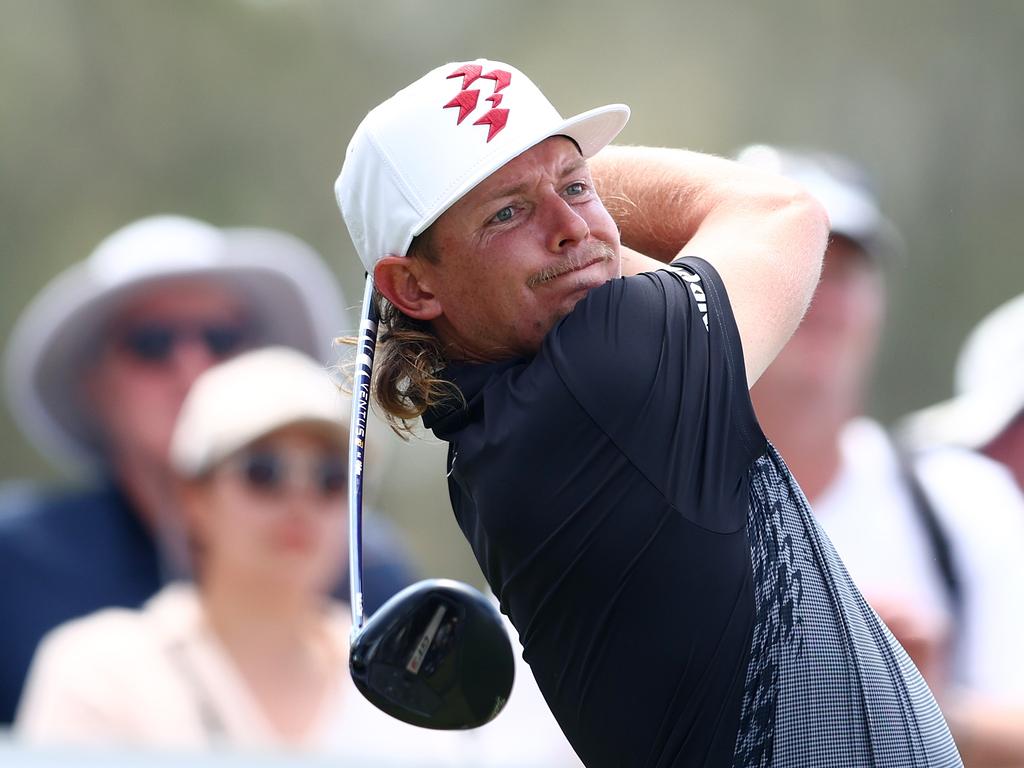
(662, 198)
(658, 197)
(764, 234)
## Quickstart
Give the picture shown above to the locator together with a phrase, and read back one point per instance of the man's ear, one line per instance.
(398, 279)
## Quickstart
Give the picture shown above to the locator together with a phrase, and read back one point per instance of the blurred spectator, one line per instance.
(96, 370)
(254, 655)
(932, 540)
(987, 413)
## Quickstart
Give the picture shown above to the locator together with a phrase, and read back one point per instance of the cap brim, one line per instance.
(969, 420)
(333, 429)
(594, 129)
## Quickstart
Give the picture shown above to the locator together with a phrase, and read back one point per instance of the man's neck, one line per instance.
(148, 486)
(150, 496)
(259, 619)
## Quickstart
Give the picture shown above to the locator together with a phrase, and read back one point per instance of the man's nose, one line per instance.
(567, 227)
(191, 358)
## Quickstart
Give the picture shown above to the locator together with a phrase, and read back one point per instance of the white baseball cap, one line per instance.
(841, 187)
(419, 152)
(290, 294)
(988, 385)
(235, 403)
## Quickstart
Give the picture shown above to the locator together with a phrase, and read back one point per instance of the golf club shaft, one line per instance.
(361, 382)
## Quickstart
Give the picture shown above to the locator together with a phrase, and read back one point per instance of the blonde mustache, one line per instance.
(591, 253)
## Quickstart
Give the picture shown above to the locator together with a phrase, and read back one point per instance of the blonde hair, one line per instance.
(406, 363)
(407, 359)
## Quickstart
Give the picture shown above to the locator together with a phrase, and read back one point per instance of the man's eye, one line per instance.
(504, 214)
(576, 188)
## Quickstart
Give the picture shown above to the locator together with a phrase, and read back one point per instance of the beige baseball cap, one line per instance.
(237, 402)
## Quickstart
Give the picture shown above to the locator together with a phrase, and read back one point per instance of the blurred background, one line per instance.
(238, 112)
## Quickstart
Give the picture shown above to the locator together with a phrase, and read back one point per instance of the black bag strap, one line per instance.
(938, 537)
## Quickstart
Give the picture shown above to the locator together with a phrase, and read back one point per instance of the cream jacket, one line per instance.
(159, 678)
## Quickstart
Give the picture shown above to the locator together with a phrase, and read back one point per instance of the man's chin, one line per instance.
(582, 286)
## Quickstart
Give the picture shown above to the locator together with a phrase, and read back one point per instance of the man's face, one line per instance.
(158, 343)
(828, 360)
(516, 253)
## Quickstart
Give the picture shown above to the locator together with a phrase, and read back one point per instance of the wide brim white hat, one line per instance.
(285, 286)
(415, 155)
(237, 402)
(988, 382)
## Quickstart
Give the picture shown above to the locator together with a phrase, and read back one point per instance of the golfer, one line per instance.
(677, 602)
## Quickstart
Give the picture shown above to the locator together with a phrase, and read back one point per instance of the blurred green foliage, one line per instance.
(239, 111)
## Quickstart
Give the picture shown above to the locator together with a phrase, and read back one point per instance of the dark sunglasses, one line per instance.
(156, 342)
(272, 472)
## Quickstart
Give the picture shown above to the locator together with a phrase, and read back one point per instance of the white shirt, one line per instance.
(868, 513)
(159, 678)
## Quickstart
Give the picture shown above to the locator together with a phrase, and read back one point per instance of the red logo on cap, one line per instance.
(466, 100)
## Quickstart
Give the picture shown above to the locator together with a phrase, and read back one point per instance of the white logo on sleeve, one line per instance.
(693, 281)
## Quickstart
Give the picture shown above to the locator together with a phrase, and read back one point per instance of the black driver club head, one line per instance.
(435, 655)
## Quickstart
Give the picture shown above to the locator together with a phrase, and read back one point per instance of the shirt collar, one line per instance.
(451, 415)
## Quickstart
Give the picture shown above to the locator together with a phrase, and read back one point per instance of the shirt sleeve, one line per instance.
(656, 361)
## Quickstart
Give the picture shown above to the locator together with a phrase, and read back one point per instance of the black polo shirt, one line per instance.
(676, 601)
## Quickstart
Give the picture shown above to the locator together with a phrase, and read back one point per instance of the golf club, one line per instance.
(436, 654)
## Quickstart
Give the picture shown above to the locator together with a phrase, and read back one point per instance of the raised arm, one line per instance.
(764, 234)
